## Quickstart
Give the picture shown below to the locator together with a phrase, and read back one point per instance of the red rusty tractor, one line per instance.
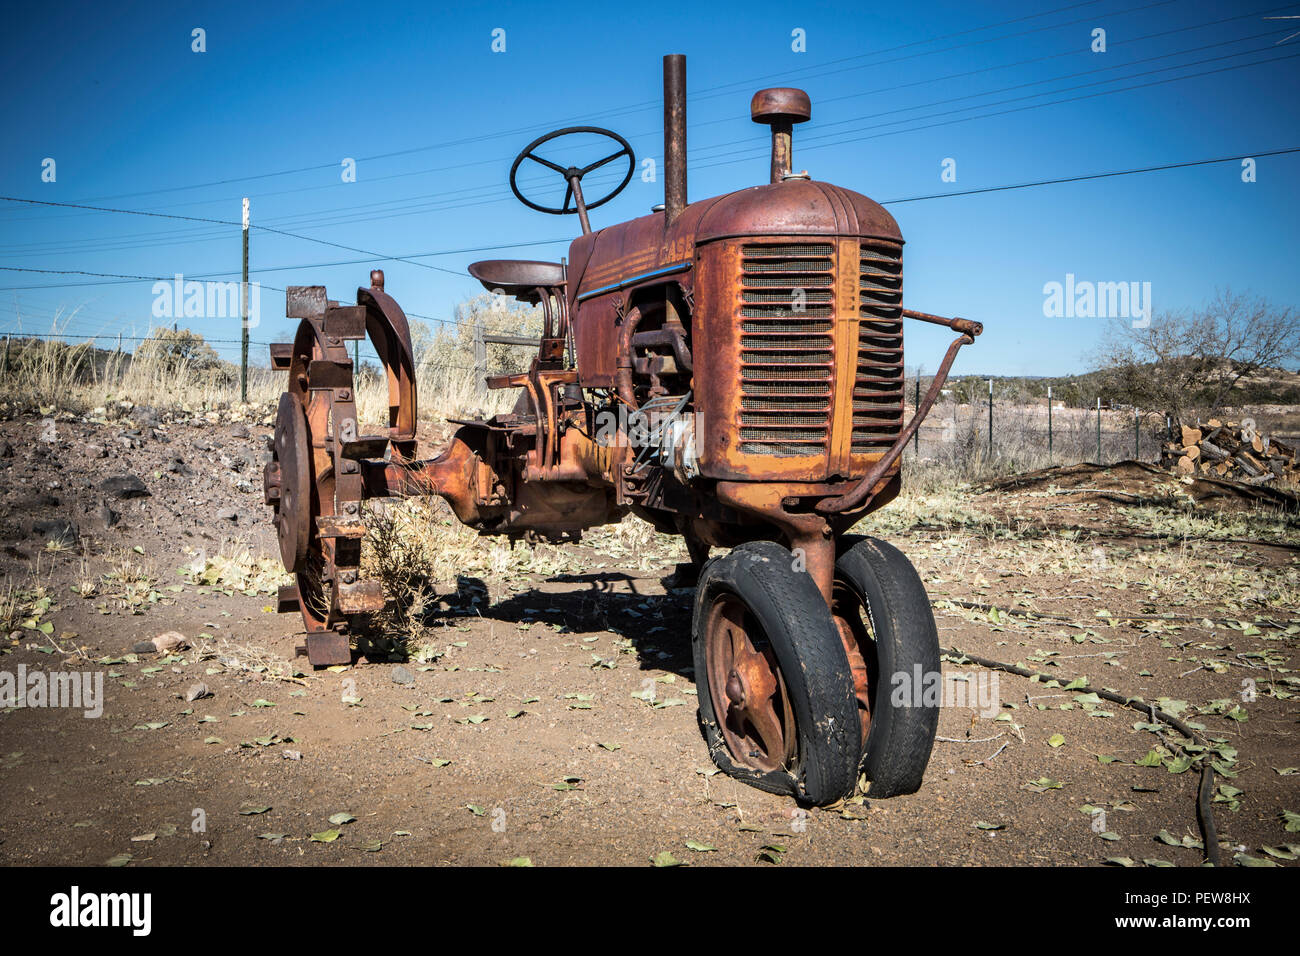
(730, 370)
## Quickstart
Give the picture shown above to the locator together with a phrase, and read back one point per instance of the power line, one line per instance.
(946, 195)
(1067, 76)
(441, 204)
(830, 139)
(121, 279)
(1091, 176)
(1074, 50)
(222, 222)
(858, 139)
(705, 93)
(110, 275)
(282, 268)
(1056, 26)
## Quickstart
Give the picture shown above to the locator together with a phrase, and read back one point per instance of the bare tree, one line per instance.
(1198, 359)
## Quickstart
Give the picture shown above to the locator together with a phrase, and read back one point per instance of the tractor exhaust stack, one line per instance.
(674, 137)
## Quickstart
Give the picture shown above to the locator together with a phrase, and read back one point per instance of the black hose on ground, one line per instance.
(1205, 792)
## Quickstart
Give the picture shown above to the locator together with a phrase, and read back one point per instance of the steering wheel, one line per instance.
(573, 174)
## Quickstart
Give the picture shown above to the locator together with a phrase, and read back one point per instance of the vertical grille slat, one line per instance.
(878, 388)
(787, 352)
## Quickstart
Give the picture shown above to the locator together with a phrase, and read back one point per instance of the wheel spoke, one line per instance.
(601, 162)
(759, 676)
(761, 709)
(547, 163)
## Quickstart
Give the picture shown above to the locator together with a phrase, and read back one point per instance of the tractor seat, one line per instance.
(518, 277)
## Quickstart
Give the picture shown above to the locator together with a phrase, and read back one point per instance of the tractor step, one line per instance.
(509, 380)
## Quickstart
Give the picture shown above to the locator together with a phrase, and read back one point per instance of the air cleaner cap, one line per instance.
(780, 104)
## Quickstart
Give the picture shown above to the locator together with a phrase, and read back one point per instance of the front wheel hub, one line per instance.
(749, 694)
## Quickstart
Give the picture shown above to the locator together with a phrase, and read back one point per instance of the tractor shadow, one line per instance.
(657, 624)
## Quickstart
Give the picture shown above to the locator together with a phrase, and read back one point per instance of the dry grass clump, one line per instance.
(1191, 522)
(128, 584)
(22, 607)
(238, 569)
(248, 658)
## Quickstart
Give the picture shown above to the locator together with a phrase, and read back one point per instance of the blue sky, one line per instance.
(134, 119)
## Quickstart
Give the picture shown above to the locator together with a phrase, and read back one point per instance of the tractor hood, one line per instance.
(795, 207)
(626, 252)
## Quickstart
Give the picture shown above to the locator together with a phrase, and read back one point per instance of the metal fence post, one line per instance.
(916, 436)
(1137, 435)
(990, 421)
(243, 351)
(1049, 424)
(1099, 429)
(4, 362)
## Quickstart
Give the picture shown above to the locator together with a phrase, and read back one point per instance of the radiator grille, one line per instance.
(787, 349)
(878, 387)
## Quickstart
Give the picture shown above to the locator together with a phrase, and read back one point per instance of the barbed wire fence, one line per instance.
(12, 341)
(1039, 435)
(996, 433)
(999, 433)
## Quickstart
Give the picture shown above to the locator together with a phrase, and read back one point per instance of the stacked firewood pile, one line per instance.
(1230, 450)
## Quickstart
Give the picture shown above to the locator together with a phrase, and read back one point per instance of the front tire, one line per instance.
(888, 629)
(775, 691)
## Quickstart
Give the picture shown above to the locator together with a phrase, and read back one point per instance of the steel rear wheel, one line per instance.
(883, 617)
(777, 706)
(315, 422)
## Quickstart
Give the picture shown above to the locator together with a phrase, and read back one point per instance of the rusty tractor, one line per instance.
(730, 370)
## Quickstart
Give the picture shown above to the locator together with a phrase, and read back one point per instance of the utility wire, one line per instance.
(709, 92)
(1091, 176)
(440, 204)
(1085, 177)
(966, 119)
(648, 104)
(223, 222)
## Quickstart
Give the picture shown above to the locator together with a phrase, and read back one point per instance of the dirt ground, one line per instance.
(553, 715)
